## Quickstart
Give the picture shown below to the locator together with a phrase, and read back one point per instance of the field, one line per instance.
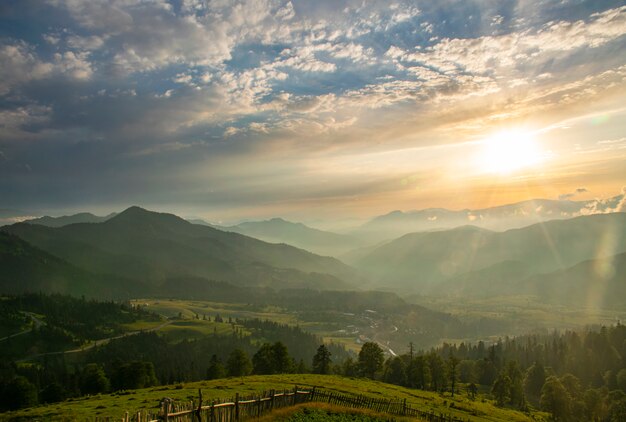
(194, 325)
(520, 315)
(115, 405)
(313, 412)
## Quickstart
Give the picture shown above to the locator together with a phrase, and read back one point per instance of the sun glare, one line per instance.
(508, 152)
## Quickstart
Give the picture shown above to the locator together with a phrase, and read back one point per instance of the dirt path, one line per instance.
(96, 343)
(36, 324)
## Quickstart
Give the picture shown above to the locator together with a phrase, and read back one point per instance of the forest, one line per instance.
(573, 375)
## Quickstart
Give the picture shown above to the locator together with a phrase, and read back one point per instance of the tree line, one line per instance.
(575, 376)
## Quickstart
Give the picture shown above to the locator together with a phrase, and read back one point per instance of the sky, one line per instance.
(310, 110)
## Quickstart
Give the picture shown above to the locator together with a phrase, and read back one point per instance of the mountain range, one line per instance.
(26, 268)
(577, 261)
(278, 230)
(478, 258)
(83, 217)
(153, 247)
(499, 218)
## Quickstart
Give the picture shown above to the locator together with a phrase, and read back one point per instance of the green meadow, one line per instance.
(116, 404)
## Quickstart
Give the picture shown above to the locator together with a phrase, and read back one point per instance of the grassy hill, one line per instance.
(115, 405)
(153, 247)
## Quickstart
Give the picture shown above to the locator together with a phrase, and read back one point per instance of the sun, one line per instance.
(508, 152)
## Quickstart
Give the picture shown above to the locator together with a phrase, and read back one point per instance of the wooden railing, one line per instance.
(239, 409)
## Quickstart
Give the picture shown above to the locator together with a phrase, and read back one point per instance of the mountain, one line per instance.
(278, 230)
(499, 279)
(596, 283)
(500, 218)
(12, 216)
(154, 247)
(421, 261)
(83, 217)
(29, 269)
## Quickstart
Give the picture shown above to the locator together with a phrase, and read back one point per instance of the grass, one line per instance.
(190, 329)
(521, 314)
(115, 405)
(313, 412)
(189, 309)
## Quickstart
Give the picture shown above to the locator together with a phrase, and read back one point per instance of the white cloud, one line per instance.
(19, 64)
(75, 65)
(89, 43)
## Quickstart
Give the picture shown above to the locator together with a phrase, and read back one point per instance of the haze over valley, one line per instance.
(313, 210)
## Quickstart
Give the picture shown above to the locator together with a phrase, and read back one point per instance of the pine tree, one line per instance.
(322, 361)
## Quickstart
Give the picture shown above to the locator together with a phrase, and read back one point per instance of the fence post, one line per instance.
(312, 395)
(166, 410)
(404, 408)
(213, 411)
(199, 411)
(237, 407)
(295, 395)
(258, 406)
(271, 400)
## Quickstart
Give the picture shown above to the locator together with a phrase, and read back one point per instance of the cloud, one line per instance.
(193, 83)
(606, 206)
(570, 195)
(621, 205)
(20, 65)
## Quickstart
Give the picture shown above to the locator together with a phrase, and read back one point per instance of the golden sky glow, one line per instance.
(309, 110)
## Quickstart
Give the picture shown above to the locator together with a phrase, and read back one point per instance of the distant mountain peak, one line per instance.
(139, 215)
(81, 217)
(134, 209)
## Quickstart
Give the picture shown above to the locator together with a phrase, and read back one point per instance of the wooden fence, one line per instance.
(240, 409)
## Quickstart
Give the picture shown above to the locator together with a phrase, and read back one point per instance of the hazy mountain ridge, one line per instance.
(82, 217)
(11, 216)
(153, 247)
(498, 218)
(424, 260)
(26, 268)
(596, 283)
(278, 230)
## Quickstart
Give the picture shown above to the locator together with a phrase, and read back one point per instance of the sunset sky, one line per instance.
(309, 110)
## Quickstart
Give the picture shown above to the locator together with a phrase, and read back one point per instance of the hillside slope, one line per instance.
(115, 406)
(83, 217)
(597, 283)
(25, 268)
(153, 247)
(278, 230)
(424, 260)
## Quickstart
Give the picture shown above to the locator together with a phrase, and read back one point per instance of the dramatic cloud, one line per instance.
(94, 93)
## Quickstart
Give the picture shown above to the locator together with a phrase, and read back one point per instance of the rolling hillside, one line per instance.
(278, 230)
(83, 217)
(424, 260)
(115, 405)
(153, 247)
(29, 269)
(597, 283)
